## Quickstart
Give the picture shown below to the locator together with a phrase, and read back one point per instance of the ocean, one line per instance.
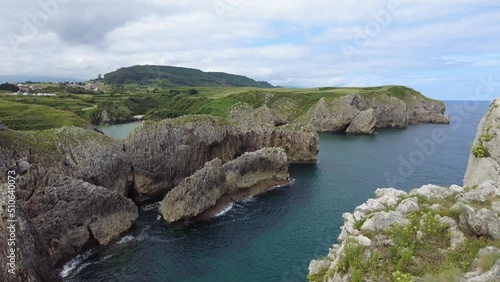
(273, 237)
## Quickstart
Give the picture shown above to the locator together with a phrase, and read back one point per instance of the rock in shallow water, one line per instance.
(73, 215)
(259, 170)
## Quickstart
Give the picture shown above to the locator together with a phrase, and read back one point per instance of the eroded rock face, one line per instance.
(166, 152)
(33, 263)
(73, 215)
(486, 166)
(95, 158)
(258, 170)
(363, 123)
(390, 111)
(334, 115)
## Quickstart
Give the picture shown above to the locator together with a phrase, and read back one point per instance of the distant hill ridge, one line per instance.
(168, 76)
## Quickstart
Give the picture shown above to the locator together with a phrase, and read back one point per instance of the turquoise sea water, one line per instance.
(119, 131)
(274, 236)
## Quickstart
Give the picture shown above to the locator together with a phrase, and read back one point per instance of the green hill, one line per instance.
(167, 76)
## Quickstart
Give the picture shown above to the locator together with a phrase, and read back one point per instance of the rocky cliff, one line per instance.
(430, 234)
(31, 261)
(485, 154)
(73, 215)
(218, 183)
(369, 112)
(163, 153)
(336, 110)
(57, 178)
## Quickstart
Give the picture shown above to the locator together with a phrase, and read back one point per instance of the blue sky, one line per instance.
(442, 48)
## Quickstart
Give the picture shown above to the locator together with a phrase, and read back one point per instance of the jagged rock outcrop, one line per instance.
(73, 215)
(485, 154)
(95, 158)
(334, 115)
(164, 153)
(76, 152)
(390, 111)
(70, 214)
(31, 261)
(249, 174)
(363, 123)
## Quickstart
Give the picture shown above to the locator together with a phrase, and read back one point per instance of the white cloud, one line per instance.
(295, 42)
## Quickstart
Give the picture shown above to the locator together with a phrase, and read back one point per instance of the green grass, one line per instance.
(157, 103)
(19, 116)
(480, 151)
(487, 261)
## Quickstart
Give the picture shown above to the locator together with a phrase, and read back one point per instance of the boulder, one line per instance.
(383, 220)
(390, 197)
(481, 194)
(480, 223)
(433, 192)
(408, 205)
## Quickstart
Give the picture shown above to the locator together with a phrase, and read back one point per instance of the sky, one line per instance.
(446, 49)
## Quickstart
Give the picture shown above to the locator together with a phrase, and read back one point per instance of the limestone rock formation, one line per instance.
(32, 261)
(390, 111)
(392, 107)
(363, 123)
(251, 173)
(375, 229)
(361, 114)
(334, 115)
(164, 153)
(485, 154)
(73, 215)
(95, 158)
